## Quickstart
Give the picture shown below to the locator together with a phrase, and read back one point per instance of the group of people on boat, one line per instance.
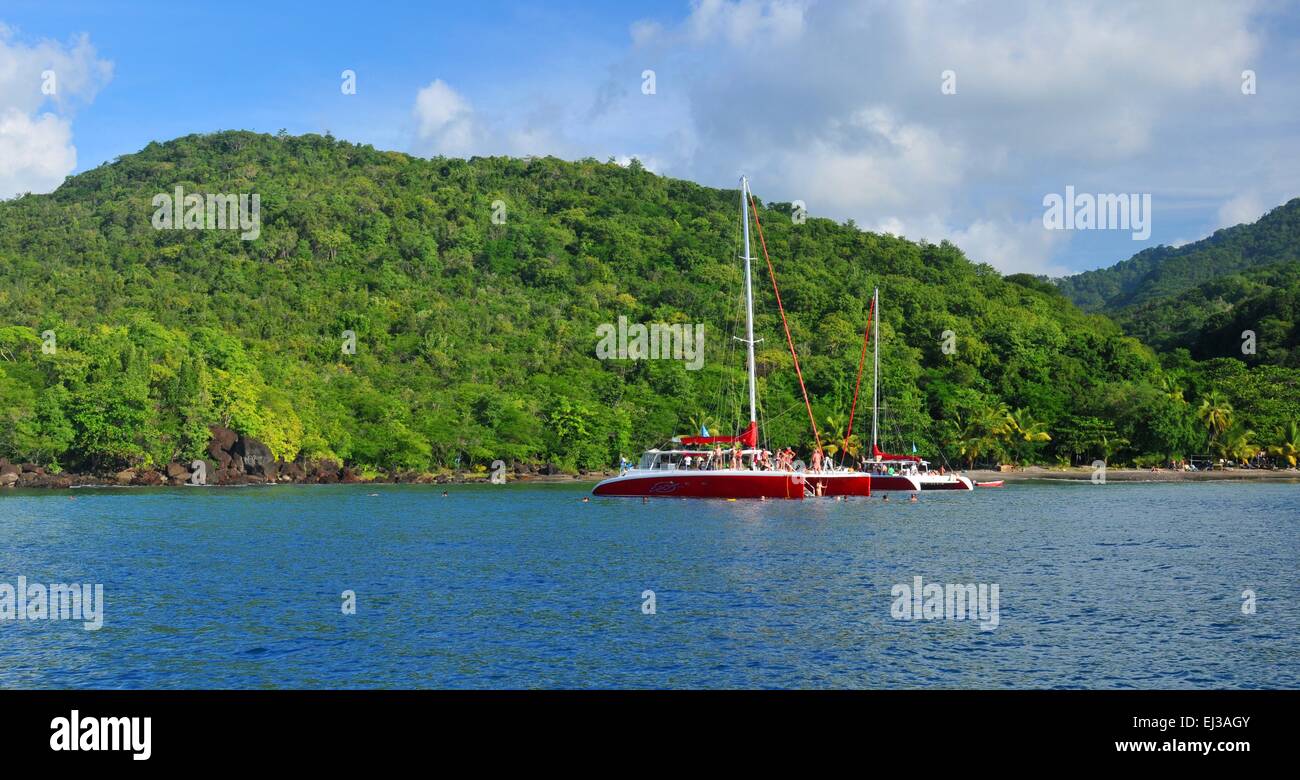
(718, 458)
(784, 460)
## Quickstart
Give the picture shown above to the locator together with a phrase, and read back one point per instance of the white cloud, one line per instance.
(1024, 247)
(448, 124)
(36, 149)
(35, 155)
(867, 162)
(838, 103)
(445, 119)
(1246, 207)
(747, 23)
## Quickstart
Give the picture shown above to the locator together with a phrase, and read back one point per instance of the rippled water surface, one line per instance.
(525, 586)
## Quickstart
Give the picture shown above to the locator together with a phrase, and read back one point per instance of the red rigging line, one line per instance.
(862, 361)
(784, 323)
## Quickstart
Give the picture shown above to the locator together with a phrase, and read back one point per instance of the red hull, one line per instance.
(733, 484)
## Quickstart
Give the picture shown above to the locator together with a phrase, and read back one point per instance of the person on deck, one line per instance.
(817, 459)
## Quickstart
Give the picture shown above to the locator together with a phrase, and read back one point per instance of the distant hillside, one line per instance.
(1209, 319)
(475, 290)
(1203, 296)
(1163, 272)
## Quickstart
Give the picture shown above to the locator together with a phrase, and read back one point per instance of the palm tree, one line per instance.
(701, 421)
(978, 435)
(1216, 413)
(1025, 433)
(1237, 444)
(1286, 444)
(1172, 390)
(833, 425)
(836, 425)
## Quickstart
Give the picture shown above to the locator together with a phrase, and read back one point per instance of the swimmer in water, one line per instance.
(886, 497)
(585, 499)
(444, 494)
(913, 498)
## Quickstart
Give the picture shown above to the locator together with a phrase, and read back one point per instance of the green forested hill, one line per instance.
(1202, 296)
(476, 341)
(1209, 319)
(1163, 272)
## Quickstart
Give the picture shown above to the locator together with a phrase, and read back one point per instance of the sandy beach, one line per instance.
(1083, 474)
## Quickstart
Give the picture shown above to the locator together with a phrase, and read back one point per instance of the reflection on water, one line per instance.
(513, 586)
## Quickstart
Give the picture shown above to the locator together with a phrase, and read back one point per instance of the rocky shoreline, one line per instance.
(242, 460)
(233, 459)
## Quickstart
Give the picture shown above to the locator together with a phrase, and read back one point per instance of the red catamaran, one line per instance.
(700, 473)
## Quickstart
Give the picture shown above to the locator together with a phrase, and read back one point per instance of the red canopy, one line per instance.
(886, 456)
(749, 438)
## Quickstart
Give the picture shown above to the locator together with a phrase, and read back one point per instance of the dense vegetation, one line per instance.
(1203, 296)
(476, 341)
(1163, 272)
(1209, 319)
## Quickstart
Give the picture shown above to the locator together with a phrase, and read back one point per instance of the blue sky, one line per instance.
(839, 104)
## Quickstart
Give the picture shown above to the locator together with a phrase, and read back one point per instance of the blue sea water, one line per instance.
(517, 586)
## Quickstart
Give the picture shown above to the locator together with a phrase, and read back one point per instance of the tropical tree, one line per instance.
(1215, 413)
(701, 421)
(835, 427)
(1286, 443)
(1025, 433)
(980, 433)
(1171, 389)
(1237, 444)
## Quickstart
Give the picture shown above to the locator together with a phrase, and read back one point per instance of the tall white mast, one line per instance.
(749, 297)
(875, 379)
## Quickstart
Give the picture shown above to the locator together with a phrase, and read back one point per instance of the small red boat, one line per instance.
(991, 483)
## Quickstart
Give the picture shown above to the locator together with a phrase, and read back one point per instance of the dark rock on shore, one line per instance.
(255, 455)
(243, 460)
(223, 438)
(149, 479)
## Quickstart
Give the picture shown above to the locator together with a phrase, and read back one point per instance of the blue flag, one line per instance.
(704, 430)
